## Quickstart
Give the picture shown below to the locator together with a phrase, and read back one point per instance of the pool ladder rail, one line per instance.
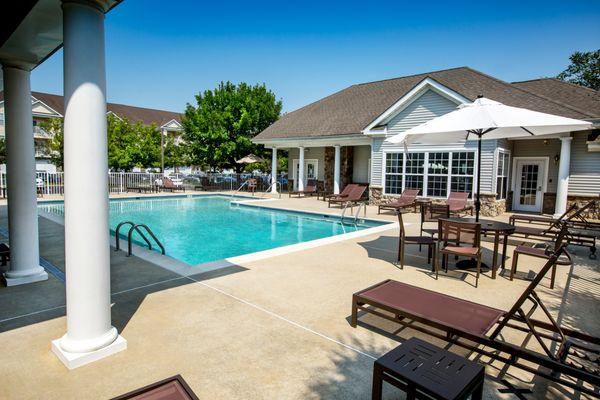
(349, 204)
(136, 228)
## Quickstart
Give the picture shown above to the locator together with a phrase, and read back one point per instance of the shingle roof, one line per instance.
(571, 95)
(134, 114)
(350, 110)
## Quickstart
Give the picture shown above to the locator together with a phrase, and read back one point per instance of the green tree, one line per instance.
(55, 127)
(2, 151)
(584, 69)
(219, 129)
(176, 154)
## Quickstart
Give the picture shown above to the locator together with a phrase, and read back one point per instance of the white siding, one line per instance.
(585, 167)
(426, 107)
(537, 148)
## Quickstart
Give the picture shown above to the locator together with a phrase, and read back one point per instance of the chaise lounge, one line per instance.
(352, 194)
(309, 190)
(467, 324)
(407, 199)
(459, 203)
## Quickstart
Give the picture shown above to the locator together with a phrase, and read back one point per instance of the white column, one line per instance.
(274, 171)
(301, 169)
(562, 187)
(163, 137)
(336, 170)
(90, 335)
(24, 266)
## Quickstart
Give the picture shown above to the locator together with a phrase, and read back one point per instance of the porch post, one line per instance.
(163, 134)
(301, 169)
(274, 170)
(336, 170)
(24, 266)
(90, 335)
(562, 188)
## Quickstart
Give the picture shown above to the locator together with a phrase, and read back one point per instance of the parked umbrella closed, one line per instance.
(487, 119)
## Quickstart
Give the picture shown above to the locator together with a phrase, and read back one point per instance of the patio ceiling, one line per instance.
(32, 30)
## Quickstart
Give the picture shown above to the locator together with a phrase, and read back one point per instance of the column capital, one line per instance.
(566, 138)
(100, 5)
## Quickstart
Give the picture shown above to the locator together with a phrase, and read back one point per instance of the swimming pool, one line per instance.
(207, 228)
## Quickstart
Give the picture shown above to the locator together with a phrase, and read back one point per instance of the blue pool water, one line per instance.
(209, 228)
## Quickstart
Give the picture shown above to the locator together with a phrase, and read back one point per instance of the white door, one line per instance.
(529, 185)
(310, 171)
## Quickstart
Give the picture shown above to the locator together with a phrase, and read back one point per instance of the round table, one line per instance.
(498, 228)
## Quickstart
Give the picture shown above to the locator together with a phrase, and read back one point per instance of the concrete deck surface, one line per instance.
(274, 328)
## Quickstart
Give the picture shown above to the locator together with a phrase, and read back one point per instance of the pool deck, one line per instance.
(270, 328)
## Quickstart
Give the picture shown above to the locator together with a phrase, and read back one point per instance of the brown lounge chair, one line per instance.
(343, 194)
(468, 325)
(576, 236)
(309, 190)
(354, 196)
(168, 185)
(459, 203)
(406, 199)
(575, 218)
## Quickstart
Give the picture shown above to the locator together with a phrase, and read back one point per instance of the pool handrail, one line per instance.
(136, 227)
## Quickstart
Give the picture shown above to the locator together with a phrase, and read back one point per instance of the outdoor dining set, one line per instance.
(445, 232)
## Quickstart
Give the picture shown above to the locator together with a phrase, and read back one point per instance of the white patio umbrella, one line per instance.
(250, 159)
(487, 119)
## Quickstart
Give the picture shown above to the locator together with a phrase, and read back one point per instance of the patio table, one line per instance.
(497, 228)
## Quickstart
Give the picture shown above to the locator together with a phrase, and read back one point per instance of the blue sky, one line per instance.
(160, 54)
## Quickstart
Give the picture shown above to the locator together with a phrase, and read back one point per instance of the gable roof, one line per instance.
(134, 114)
(578, 97)
(350, 110)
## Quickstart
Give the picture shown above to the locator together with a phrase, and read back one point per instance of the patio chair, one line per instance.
(541, 219)
(343, 194)
(252, 185)
(460, 239)
(406, 199)
(544, 253)
(458, 202)
(570, 361)
(169, 186)
(433, 213)
(309, 190)
(576, 236)
(355, 196)
(403, 240)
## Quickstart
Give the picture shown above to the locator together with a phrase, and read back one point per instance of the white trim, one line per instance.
(324, 141)
(416, 92)
(113, 113)
(307, 161)
(45, 105)
(513, 186)
(165, 125)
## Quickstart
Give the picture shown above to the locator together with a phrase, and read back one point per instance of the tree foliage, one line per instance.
(219, 128)
(584, 69)
(55, 127)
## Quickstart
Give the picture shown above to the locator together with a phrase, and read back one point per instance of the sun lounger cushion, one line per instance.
(435, 307)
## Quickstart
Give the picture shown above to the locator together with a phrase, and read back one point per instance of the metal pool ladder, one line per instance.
(136, 228)
(271, 185)
(360, 205)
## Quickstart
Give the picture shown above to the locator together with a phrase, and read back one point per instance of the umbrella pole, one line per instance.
(478, 200)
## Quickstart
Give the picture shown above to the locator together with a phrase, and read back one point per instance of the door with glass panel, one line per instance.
(310, 171)
(529, 182)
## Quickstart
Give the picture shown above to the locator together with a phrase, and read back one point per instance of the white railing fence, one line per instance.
(49, 183)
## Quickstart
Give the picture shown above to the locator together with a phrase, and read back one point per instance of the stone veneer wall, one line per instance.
(592, 212)
(346, 166)
(490, 207)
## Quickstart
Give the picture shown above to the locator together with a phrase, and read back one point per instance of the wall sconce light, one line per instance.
(545, 142)
(556, 159)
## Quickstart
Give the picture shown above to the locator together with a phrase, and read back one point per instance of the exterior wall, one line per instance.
(313, 153)
(360, 170)
(537, 148)
(585, 167)
(426, 107)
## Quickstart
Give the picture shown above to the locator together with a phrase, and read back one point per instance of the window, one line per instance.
(502, 173)
(463, 168)
(433, 173)
(393, 173)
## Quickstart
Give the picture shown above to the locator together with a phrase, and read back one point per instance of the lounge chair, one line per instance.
(309, 190)
(169, 186)
(355, 196)
(403, 240)
(575, 217)
(576, 236)
(459, 203)
(343, 194)
(469, 325)
(406, 199)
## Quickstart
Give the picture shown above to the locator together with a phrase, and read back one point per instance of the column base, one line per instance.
(22, 280)
(76, 360)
